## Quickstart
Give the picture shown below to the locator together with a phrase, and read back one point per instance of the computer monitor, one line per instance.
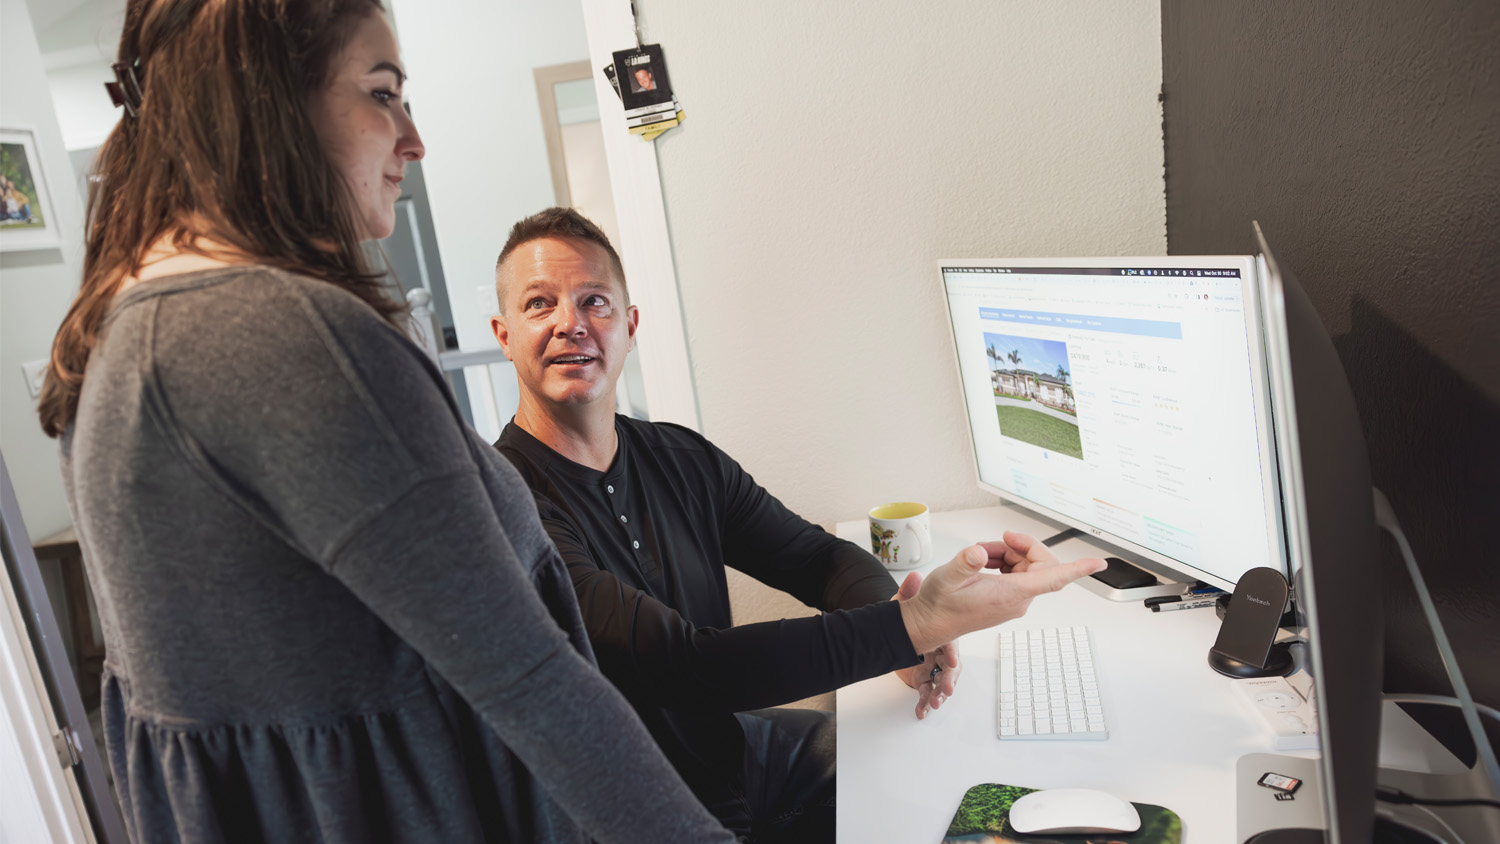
(1331, 544)
(1125, 397)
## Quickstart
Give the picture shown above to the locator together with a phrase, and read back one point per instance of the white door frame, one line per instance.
(646, 244)
(546, 95)
(39, 800)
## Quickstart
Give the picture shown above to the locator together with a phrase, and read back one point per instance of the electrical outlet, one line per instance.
(35, 372)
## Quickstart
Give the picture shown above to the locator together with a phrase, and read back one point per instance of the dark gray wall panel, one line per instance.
(1366, 139)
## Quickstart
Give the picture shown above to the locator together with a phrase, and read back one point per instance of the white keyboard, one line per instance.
(1046, 688)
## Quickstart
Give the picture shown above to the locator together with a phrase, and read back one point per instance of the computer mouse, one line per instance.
(1072, 811)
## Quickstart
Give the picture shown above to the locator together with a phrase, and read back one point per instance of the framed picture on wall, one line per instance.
(26, 210)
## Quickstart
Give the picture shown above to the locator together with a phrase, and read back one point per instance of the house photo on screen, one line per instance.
(1034, 392)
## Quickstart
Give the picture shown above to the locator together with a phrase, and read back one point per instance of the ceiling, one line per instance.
(74, 31)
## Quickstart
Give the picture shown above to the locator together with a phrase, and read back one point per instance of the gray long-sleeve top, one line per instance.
(329, 609)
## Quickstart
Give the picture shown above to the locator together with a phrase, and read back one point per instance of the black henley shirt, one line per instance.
(646, 543)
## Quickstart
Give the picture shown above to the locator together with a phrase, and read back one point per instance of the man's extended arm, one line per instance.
(769, 542)
(655, 655)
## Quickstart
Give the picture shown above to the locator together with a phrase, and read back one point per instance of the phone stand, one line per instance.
(1278, 664)
(1246, 646)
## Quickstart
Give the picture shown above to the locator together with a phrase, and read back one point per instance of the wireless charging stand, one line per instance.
(1246, 646)
(1278, 664)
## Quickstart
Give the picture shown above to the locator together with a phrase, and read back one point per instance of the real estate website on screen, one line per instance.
(1126, 399)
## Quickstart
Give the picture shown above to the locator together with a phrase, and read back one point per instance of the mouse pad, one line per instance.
(984, 818)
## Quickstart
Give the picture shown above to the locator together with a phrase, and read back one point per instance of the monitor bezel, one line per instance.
(1344, 647)
(1270, 481)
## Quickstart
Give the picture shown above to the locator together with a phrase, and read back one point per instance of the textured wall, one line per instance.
(830, 155)
(1366, 139)
(828, 160)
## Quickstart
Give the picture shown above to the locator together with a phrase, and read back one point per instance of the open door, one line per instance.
(40, 701)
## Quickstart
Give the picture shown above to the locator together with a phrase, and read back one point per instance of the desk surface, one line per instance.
(1175, 727)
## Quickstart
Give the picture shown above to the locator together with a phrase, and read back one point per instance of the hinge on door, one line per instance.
(65, 742)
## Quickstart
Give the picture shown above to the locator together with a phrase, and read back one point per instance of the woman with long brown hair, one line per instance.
(330, 612)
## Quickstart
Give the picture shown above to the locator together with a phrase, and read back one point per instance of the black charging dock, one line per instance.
(1278, 663)
(1246, 646)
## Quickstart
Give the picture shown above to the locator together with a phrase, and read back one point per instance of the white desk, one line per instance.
(1175, 726)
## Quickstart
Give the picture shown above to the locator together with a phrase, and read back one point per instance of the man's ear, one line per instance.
(632, 321)
(502, 335)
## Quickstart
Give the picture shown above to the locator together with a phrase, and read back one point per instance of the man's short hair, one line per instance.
(559, 222)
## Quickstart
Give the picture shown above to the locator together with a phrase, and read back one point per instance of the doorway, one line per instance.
(580, 178)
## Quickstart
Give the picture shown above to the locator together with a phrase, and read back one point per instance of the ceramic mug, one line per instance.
(901, 535)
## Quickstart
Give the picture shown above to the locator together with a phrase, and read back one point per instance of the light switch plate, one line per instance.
(35, 372)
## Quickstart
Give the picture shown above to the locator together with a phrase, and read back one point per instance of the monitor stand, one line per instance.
(1262, 819)
(1258, 812)
(1385, 832)
(1468, 823)
(1288, 836)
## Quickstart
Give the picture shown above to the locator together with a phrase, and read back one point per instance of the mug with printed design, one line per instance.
(901, 535)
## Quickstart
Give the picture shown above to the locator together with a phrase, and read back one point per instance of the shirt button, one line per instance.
(610, 489)
(636, 545)
(623, 519)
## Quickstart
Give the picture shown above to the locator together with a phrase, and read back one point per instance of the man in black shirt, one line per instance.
(647, 516)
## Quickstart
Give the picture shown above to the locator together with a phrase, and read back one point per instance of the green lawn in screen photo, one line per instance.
(1040, 429)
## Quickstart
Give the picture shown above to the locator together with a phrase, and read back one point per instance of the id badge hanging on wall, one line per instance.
(639, 75)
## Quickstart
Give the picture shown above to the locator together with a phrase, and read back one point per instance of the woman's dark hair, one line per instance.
(221, 147)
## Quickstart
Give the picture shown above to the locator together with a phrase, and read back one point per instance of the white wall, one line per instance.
(474, 100)
(831, 153)
(36, 803)
(36, 287)
(78, 47)
(828, 159)
(84, 111)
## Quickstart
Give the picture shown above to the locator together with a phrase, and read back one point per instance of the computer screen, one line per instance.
(1126, 397)
(1330, 529)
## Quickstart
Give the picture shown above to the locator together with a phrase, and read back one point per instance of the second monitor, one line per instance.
(1126, 397)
